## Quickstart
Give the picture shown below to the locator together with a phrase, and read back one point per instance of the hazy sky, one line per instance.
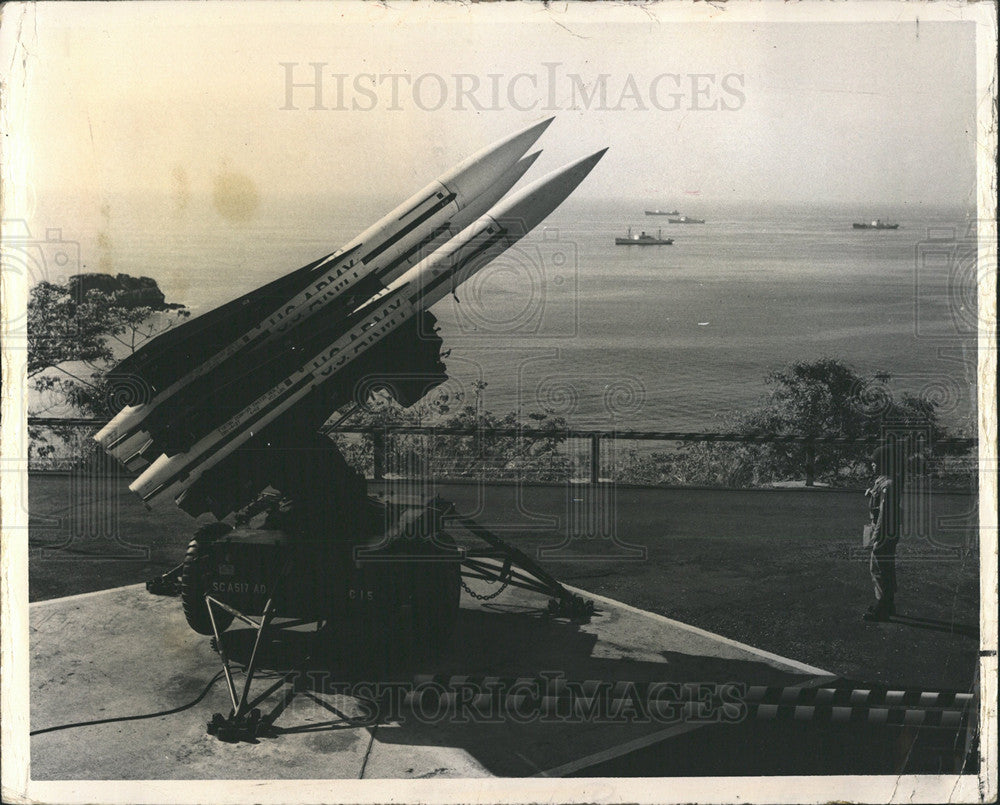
(169, 98)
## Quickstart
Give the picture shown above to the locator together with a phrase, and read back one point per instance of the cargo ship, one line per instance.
(878, 223)
(642, 239)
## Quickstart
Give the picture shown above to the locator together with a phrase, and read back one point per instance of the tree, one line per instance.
(76, 331)
(823, 399)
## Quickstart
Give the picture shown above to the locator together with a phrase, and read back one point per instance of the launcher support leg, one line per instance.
(265, 619)
(520, 570)
(221, 650)
(243, 721)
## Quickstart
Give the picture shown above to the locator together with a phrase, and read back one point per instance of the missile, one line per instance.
(375, 252)
(413, 292)
(209, 395)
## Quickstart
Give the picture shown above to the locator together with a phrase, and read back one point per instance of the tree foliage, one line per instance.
(76, 331)
(486, 454)
(825, 399)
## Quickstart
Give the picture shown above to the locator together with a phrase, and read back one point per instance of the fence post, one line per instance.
(595, 458)
(810, 464)
(378, 455)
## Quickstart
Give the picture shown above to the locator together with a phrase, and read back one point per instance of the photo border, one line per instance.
(17, 787)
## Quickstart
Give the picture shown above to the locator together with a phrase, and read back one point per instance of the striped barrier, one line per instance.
(553, 697)
(880, 716)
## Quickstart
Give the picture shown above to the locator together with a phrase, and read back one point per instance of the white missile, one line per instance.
(416, 290)
(375, 250)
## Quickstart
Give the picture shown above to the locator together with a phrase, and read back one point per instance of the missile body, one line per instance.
(411, 293)
(378, 252)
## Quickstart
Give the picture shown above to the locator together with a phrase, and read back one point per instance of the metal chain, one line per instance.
(479, 597)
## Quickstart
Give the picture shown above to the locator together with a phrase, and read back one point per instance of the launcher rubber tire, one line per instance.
(195, 575)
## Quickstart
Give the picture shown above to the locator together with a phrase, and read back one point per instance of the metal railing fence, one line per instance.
(380, 441)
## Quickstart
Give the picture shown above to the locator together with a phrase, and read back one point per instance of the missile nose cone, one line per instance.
(525, 163)
(596, 156)
(535, 130)
(477, 173)
(521, 141)
(513, 147)
(529, 206)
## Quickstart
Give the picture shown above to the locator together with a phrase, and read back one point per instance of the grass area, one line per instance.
(774, 568)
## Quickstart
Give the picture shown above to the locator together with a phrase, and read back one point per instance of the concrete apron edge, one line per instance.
(795, 664)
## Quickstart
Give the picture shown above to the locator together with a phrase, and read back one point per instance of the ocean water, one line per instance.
(671, 337)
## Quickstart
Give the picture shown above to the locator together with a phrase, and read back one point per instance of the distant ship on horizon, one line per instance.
(661, 212)
(643, 239)
(684, 219)
(878, 223)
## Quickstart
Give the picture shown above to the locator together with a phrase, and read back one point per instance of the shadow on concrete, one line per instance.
(497, 640)
(518, 642)
(769, 748)
(936, 625)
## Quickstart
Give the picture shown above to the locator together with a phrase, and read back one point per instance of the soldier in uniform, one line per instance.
(884, 513)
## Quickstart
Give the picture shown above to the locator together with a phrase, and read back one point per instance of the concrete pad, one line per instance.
(125, 652)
